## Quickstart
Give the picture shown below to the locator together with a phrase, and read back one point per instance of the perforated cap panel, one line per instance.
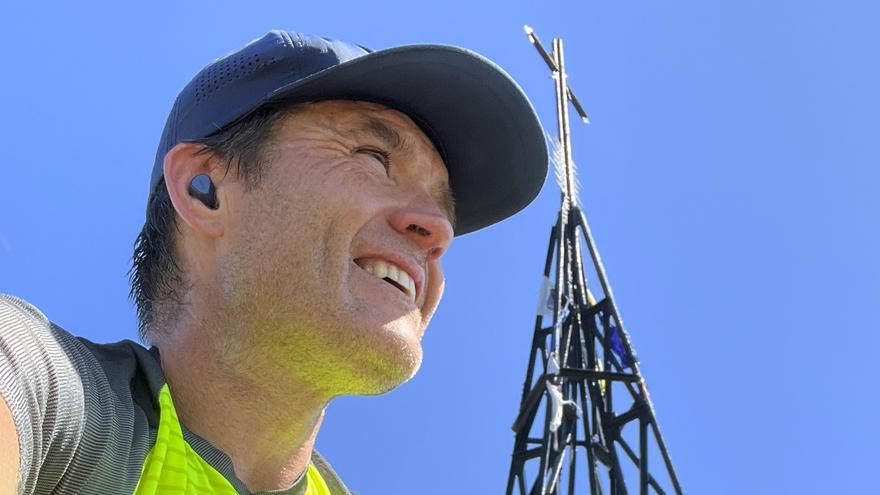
(227, 71)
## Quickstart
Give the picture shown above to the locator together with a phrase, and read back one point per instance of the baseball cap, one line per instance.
(478, 118)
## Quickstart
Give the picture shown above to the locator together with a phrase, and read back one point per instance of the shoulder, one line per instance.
(119, 376)
(29, 342)
(25, 329)
(15, 312)
(34, 351)
(27, 333)
(82, 410)
(40, 385)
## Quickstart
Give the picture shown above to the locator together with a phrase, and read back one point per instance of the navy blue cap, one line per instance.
(479, 119)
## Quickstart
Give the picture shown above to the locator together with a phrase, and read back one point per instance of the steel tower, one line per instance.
(586, 423)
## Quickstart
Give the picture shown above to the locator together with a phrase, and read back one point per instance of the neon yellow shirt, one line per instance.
(173, 467)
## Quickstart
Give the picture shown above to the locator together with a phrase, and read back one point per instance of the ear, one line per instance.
(182, 163)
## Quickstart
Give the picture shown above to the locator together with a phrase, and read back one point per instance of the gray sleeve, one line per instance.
(76, 432)
(44, 392)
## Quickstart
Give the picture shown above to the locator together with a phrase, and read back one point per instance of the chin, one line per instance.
(387, 359)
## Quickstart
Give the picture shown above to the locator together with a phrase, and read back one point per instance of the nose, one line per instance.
(428, 227)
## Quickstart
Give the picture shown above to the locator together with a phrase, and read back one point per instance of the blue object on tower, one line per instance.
(626, 358)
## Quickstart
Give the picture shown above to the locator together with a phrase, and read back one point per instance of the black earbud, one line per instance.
(202, 188)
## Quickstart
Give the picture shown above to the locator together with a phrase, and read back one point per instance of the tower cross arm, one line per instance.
(533, 38)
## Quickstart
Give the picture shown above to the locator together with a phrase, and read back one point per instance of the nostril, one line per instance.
(418, 229)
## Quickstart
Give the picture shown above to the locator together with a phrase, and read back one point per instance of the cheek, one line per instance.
(275, 244)
(337, 189)
(302, 221)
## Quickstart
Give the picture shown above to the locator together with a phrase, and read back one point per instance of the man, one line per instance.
(303, 192)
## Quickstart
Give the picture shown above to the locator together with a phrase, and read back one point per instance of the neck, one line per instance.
(265, 423)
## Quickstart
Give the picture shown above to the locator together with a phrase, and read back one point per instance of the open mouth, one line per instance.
(391, 273)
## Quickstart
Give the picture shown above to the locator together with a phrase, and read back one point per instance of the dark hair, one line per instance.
(155, 275)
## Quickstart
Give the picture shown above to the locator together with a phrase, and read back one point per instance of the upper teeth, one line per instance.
(384, 269)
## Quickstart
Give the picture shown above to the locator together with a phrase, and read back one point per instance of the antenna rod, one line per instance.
(562, 117)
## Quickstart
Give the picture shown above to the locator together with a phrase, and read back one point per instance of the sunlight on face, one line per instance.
(335, 256)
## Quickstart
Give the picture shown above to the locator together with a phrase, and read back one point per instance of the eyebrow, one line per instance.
(393, 140)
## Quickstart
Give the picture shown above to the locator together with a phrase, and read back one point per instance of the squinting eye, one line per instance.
(380, 155)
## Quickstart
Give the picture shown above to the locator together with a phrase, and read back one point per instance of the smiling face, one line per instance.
(333, 259)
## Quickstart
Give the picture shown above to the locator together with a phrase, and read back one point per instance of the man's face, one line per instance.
(333, 258)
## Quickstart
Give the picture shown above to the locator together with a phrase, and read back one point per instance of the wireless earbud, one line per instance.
(202, 188)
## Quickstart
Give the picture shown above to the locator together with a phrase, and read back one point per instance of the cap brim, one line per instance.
(481, 121)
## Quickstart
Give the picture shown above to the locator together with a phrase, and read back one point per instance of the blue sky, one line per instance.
(727, 176)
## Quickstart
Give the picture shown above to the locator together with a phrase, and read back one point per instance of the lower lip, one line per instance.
(379, 281)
